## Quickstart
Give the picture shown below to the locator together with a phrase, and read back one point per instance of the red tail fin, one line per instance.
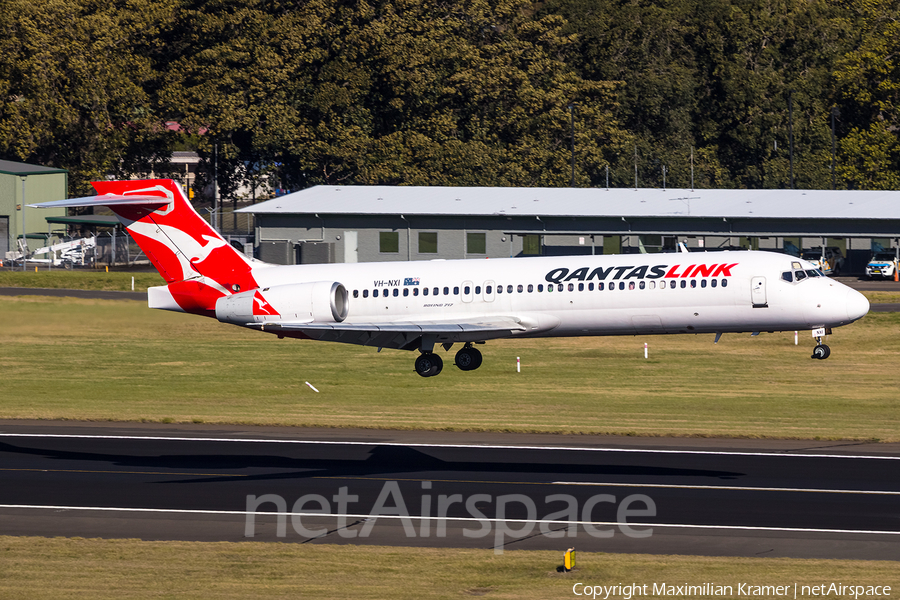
(196, 262)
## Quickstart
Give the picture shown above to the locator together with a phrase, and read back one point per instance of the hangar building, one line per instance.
(41, 184)
(383, 223)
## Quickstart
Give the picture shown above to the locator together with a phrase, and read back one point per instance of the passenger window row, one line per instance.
(560, 287)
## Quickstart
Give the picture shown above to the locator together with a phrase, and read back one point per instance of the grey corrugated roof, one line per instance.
(581, 202)
(16, 168)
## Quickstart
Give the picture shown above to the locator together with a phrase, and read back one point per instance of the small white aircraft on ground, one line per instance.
(418, 305)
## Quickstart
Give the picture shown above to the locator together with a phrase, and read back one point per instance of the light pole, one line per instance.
(835, 112)
(791, 132)
(572, 127)
(24, 228)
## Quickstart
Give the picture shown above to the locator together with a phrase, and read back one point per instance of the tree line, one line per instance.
(458, 92)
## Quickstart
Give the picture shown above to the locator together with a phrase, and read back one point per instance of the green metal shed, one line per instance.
(39, 184)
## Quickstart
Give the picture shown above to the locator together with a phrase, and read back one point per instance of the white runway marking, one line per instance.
(461, 519)
(727, 487)
(459, 446)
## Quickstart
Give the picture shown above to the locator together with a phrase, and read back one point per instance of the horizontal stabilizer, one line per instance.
(104, 200)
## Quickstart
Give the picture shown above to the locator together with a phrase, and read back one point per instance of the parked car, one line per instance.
(883, 264)
(830, 262)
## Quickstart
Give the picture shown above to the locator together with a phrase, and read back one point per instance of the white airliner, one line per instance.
(423, 304)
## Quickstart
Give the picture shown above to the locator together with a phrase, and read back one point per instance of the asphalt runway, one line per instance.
(658, 496)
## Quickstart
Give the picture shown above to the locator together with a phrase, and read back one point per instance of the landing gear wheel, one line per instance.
(468, 359)
(821, 352)
(429, 364)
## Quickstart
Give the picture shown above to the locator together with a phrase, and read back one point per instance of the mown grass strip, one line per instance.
(94, 279)
(100, 569)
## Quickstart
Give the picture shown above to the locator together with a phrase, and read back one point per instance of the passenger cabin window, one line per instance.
(424, 291)
(356, 293)
(520, 289)
(416, 291)
(396, 292)
(559, 287)
(406, 291)
(434, 291)
(540, 287)
(489, 290)
(374, 293)
(509, 289)
(365, 293)
(530, 288)
(477, 289)
(600, 286)
(466, 290)
(456, 290)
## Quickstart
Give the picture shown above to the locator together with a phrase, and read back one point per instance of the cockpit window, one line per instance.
(787, 276)
(814, 273)
(801, 275)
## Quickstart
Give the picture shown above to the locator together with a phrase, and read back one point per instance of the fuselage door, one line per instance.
(489, 291)
(758, 292)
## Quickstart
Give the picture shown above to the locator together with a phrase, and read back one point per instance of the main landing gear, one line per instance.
(429, 364)
(821, 351)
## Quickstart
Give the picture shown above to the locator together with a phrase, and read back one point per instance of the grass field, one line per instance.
(81, 280)
(99, 569)
(118, 360)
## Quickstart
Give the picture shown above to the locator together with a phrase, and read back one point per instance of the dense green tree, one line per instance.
(868, 80)
(73, 90)
(459, 92)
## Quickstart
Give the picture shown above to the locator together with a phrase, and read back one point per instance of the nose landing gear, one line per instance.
(821, 351)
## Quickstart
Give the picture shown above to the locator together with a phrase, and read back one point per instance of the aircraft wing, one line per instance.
(400, 335)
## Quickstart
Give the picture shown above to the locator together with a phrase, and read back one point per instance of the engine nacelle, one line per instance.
(319, 302)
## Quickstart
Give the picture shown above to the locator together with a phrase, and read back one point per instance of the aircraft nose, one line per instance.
(857, 305)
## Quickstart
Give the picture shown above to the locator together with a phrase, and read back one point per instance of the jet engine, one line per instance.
(316, 302)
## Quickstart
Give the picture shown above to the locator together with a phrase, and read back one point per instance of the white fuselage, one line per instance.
(697, 292)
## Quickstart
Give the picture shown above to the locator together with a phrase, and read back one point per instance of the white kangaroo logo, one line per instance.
(186, 248)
